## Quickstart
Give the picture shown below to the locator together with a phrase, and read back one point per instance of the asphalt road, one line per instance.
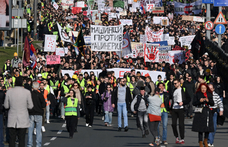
(102, 136)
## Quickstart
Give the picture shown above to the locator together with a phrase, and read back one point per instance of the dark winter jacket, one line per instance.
(38, 102)
(127, 97)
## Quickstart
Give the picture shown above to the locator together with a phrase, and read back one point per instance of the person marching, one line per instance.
(71, 112)
(139, 106)
(90, 98)
(203, 119)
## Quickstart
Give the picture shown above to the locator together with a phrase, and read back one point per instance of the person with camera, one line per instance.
(90, 98)
(139, 106)
(107, 104)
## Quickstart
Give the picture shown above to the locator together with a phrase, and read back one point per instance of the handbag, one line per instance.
(198, 110)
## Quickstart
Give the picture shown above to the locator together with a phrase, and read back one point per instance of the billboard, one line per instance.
(5, 14)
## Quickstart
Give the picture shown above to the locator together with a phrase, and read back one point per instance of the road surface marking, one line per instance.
(47, 143)
(53, 138)
(59, 132)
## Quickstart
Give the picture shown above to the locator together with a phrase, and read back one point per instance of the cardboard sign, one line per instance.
(55, 5)
(123, 13)
(126, 21)
(53, 59)
(97, 22)
(187, 18)
(158, 10)
(74, 32)
(149, 7)
(198, 19)
(164, 22)
(60, 52)
(50, 43)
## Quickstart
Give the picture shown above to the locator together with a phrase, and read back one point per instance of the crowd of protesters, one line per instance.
(190, 86)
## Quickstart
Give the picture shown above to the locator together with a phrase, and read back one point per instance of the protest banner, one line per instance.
(87, 40)
(176, 57)
(80, 4)
(186, 40)
(74, 32)
(113, 15)
(139, 50)
(135, 6)
(163, 56)
(50, 43)
(123, 13)
(153, 36)
(110, 2)
(187, 18)
(133, 44)
(170, 16)
(158, 10)
(198, 19)
(161, 43)
(95, 15)
(142, 38)
(119, 72)
(164, 48)
(166, 37)
(67, 2)
(149, 7)
(60, 52)
(53, 59)
(55, 5)
(158, 20)
(106, 38)
(151, 52)
(187, 8)
(171, 40)
(126, 21)
(76, 10)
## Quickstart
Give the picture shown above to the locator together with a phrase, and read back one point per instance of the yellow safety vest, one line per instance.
(70, 108)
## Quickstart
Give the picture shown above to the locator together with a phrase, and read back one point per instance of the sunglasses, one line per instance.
(124, 81)
(108, 87)
(75, 85)
(2, 81)
(175, 83)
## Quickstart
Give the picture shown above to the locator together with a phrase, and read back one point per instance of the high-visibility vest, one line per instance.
(70, 108)
(131, 87)
(82, 83)
(163, 109)
(44, 75)
(54, 85)
(28, 27)
(66, 89)
(97, 88)
(128, 79)
(48, 89)
(28, 10)
(158, 82)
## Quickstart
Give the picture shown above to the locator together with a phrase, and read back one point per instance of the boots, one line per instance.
(205, 142)
(201, 144)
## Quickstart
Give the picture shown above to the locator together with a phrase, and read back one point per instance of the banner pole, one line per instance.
(22, 62)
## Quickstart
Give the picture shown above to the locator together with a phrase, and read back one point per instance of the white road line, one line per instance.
(64, 125)
(53, 138)
(47, 143)
(59, 132)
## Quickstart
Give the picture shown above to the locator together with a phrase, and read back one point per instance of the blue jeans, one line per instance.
(164, 118)
(1, 42)
(35, 119)
(47, 112)
(1, 130)
(212, 134)
(108, 117)
(122, 108)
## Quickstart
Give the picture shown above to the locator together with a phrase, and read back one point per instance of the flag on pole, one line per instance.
(33, 56)
(80, 43)
(75, 47)
(26, 52)
(63, 35)
(126, 48)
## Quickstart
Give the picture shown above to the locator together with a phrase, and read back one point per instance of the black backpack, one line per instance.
(139, 97)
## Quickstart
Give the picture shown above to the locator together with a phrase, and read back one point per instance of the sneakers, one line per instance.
(143, 136)
(109, 125)
(147, 132)
(34, 131)
(181, 141)
(102, 118)
(177, 140)
(165, 142)
(126, 129)
(87, 125)
(48, 122)
(210, 145)
(157, 141)
(43, 129)
(119, 129)
(90, 126)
